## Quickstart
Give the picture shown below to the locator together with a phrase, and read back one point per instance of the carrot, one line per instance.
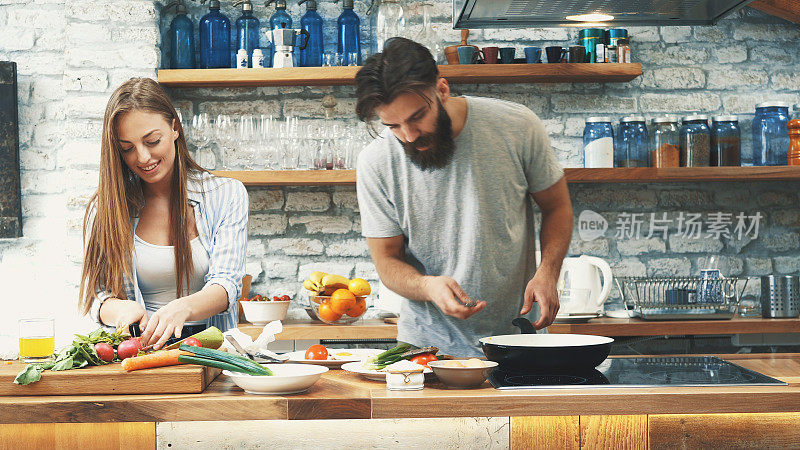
(156, 359)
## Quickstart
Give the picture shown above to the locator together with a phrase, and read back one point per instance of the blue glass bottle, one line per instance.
(215, 39)
(770, 135)
(348, 34)
(280, 19)
(311, 56)
(248, 29)
(181, 39)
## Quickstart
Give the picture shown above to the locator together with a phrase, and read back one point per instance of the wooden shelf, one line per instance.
(291, 177)
(682, 174)
(462, 74)
(614, 175)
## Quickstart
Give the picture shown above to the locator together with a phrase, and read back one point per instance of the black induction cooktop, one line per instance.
(655, 371)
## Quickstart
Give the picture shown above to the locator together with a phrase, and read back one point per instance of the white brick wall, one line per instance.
(71, 55)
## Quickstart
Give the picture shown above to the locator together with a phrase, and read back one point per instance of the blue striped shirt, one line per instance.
(221, 208)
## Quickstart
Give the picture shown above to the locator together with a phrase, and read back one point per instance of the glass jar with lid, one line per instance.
(726, 141)
(695, 141)
(598, 142)
(666, 145)
(632, 143)
(770, 135)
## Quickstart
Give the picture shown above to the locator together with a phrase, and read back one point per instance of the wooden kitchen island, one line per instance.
(603, 326)
(558, 418)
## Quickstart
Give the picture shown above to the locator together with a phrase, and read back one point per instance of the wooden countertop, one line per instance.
(604, 326)
(347, 396)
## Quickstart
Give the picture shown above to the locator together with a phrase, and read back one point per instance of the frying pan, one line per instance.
(531, 352)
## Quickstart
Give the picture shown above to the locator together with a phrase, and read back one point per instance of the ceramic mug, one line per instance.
(555, 54)
(577, 54)
(507, 55)
(468, 54)
(533, 55)
(490, 54)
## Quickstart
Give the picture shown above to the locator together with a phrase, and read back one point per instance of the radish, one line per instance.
(105, 351)
(129, 348)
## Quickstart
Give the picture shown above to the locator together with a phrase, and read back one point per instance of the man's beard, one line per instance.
(439, 144)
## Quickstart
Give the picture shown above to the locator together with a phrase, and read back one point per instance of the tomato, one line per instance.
(285, 298)
(193, 341)
(317, 352)
(424, 359)
(257, 298)
(276, 299)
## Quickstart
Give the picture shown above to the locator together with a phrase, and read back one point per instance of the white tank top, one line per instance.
(155, 270)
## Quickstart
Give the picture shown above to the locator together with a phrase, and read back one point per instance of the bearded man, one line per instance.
(445, 194)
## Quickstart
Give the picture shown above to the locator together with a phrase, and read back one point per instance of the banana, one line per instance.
(310, 285)
(316, 277)
(337, 281)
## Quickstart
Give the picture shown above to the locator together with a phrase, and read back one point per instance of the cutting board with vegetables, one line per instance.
(110, 379)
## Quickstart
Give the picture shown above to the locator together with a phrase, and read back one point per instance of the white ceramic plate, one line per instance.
(575, 318)
(287, 379)
(357, 367)
(358, 354)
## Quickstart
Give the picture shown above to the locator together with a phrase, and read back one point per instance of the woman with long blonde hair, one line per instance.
(165, 240)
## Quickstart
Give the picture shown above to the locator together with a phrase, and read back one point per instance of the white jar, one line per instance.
(405, 381)
(258, 58)
(241, 59)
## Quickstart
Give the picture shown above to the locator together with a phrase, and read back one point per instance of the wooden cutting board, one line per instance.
(110, 379)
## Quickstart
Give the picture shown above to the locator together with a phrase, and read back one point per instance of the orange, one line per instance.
(342, 300)
(327, 314)
(358, 309)
(359, 287)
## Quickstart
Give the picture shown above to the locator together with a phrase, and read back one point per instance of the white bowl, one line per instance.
(462, 377)
(261, 313)
(286, 379)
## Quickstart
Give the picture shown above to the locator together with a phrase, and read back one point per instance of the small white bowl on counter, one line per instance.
(461, 377)
(263, 312)
(286, 379)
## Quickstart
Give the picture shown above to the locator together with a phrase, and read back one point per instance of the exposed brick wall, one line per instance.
(71, 55)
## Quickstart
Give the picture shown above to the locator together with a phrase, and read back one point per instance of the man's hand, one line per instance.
(129, 312)
(165, 322)
(448, 296)
(542, 291)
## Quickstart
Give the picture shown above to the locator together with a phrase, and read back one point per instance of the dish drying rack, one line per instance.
(682, 298)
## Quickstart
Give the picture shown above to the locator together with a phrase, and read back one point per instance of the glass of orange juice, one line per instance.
(36, 339)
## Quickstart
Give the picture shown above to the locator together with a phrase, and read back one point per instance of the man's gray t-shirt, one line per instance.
(471, 220)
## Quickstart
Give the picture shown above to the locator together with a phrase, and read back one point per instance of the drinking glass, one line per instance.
(352, 58)
(223, 132)
(247, 141)
(36, 340)
(330, 59)
(201, 134)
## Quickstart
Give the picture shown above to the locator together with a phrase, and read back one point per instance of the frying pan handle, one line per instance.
(524, 325)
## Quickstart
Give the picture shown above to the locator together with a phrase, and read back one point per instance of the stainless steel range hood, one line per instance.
(552, 13)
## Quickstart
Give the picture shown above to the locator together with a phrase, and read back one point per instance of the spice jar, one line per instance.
(623, 51)
(726, 141)
(632, 143)
(794, 142)
(666, 147)
(598, 143)
(770, 135)
(695, 141)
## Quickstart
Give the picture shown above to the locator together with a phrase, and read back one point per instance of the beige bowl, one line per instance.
(462, 377)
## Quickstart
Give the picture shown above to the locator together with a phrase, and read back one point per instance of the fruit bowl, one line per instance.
(261, 313)
(322, 309)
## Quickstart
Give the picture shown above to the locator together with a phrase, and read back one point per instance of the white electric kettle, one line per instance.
(580, 286)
